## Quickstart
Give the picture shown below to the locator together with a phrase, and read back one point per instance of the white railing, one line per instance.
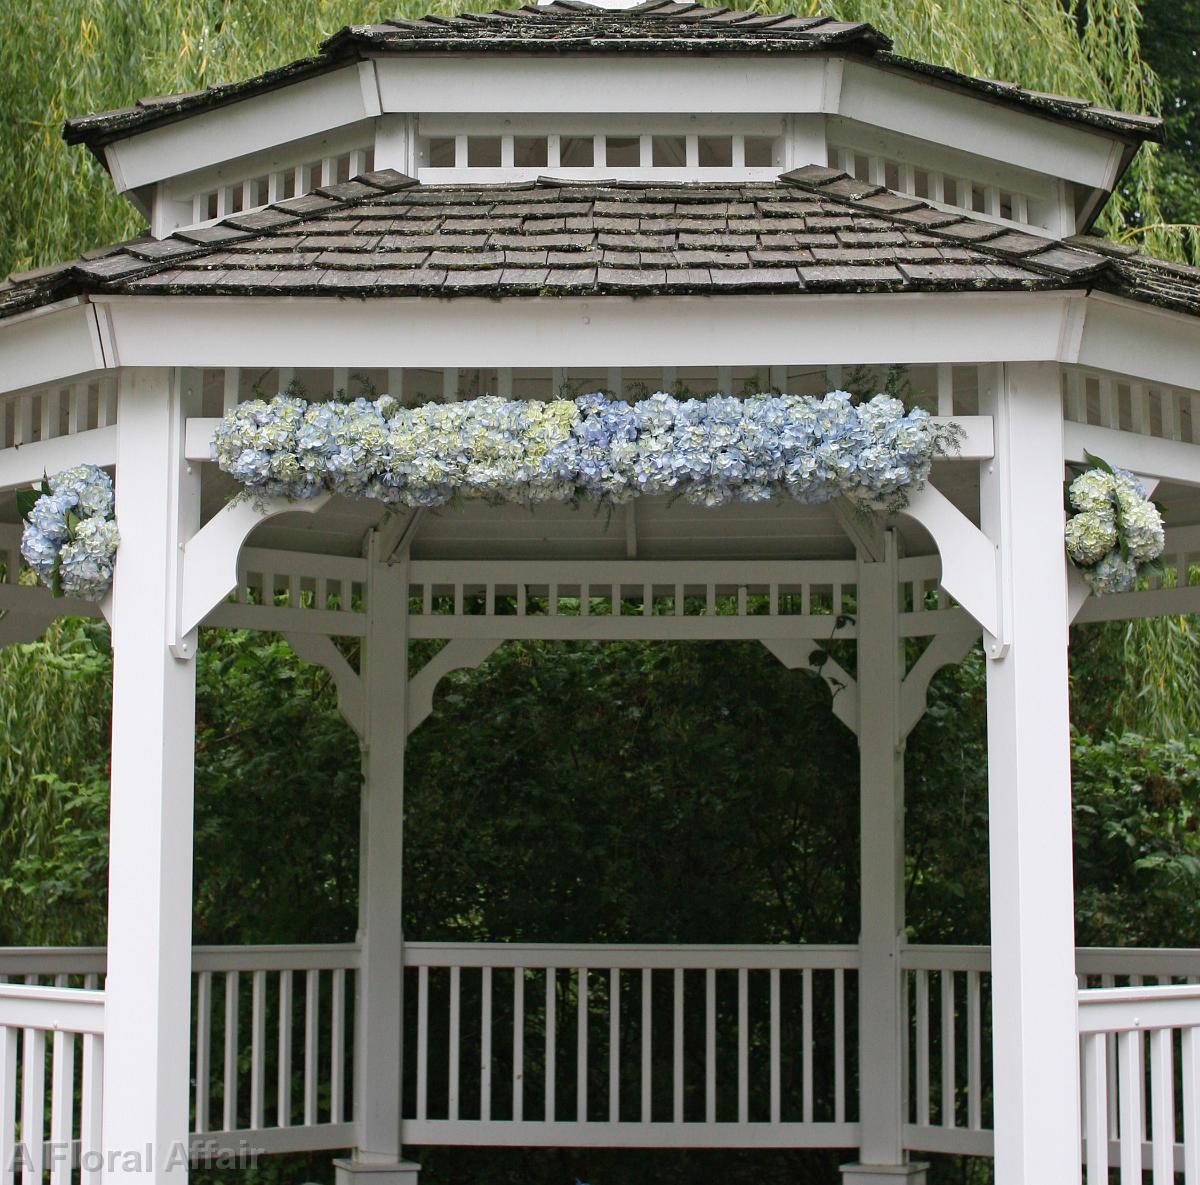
(51, 1069)
(1136, 1119)
(273, 1046)
(631, 1046)
(272, 1039)
(947, 1045)
(624, 1046)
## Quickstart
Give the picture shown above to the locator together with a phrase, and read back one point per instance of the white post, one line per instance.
(1035, 1041)
(147, 992)
(881, 798)
(379, 1016)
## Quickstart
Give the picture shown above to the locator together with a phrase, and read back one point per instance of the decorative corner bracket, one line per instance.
(796, 654)
(455, 655)
(970, 566)
(208, 561)
(319, 651)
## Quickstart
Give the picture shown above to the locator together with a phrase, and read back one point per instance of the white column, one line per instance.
(378, 1063)
(881, 799)
(1035, 1045)
(147, 993)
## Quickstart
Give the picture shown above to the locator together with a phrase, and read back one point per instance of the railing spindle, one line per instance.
(710, 1045)
(1190, 1054)
(1095, 1107)
(33, 1101)
(423, 1043)
(231, 1050)
(284, 1112)
(743, 1056)
(839, 1045)
(337, 1046)
(949, 1118)
(774, 1042)
(258, 1048)
(203, 1069)
(806, 977)
(1162, 1105)
(551, 1024)
(1129, 1046)
(91, 1111)
(485, 1046)
(647, 1062)
(581, 1045)
(455, 1037)
(8, 1101)
(62, 1106)
(312, 985)
(614, 1045)
(518, 1043)
(974, 1053)
(922, 990)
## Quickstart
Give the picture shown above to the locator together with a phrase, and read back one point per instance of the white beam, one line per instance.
(49, 344)
(600, 332)
(1035, 1046)
(26, 464)
(255, 124)
(1167, 460)
(147, 994)
(630, 84)
(1129, 337)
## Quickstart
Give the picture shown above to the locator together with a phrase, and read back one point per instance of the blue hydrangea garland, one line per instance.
(1115, 533)
(70, 539)
(709, 451)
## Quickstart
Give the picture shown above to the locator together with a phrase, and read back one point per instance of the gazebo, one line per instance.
(570, 199)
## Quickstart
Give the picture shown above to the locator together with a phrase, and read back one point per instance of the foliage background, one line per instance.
(619, 792)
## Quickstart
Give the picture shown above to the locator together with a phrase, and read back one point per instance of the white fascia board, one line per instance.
(50, 344)
(587, 331)
(927, 110)
(254, 124)
(1140, 340)
(513, 84)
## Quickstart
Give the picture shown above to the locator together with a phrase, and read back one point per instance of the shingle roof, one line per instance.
(814, 230)
(658, 26)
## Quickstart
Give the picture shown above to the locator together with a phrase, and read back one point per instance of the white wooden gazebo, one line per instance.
(569, 197)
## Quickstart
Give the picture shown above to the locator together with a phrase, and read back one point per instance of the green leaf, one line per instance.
(26, 501)
(56, 576)
(1097, 462)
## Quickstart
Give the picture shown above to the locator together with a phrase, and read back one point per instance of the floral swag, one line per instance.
(1115, 533)
(70, 539)
(709, 451)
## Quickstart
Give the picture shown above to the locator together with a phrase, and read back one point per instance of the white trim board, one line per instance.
(1099, 331)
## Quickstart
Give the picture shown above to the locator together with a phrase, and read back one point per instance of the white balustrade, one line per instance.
(1141, 1113)
(51, 1083)
(622, 1046)
(630, 1046)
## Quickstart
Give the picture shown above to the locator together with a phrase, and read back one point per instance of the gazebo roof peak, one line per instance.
(668, 27)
